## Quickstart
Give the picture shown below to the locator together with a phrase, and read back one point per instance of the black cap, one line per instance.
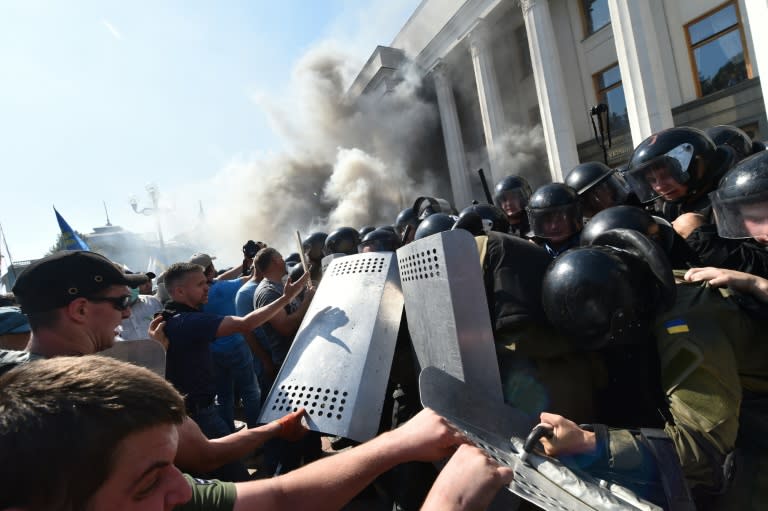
(56, 280)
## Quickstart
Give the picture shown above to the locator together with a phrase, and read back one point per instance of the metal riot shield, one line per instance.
(145, 352)
(338, 365)
(500, 430)
(447, 310)
(326, 261)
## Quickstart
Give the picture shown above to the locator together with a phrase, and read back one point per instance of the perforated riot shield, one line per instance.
(339, 362)
(500, 430)
(447, 310)
(145, 352)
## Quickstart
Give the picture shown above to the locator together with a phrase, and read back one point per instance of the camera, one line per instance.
(252, 247)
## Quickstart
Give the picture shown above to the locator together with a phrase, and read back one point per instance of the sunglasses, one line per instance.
(120, 303)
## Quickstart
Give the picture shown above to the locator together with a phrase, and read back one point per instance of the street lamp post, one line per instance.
(154, 195)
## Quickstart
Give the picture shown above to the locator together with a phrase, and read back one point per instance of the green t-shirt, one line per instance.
(210, 495)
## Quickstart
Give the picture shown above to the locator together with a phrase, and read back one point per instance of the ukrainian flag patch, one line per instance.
(676, 326)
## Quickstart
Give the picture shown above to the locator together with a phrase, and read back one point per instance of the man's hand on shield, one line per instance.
(568, 438)
(470, 480)
(291, 426)
(427, 437)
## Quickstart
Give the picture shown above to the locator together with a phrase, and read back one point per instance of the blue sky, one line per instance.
(100, 98)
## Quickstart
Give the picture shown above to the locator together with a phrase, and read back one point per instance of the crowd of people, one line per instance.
(627, 308)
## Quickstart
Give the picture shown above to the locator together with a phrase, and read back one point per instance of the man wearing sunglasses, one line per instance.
(74, 301)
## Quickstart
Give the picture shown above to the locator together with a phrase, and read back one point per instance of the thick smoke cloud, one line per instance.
(349, 162)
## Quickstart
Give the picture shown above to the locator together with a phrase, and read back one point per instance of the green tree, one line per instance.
(59, 245)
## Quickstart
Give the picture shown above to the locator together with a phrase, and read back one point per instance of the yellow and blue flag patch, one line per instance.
(676, 326)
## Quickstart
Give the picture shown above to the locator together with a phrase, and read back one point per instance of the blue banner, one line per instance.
(68, 236)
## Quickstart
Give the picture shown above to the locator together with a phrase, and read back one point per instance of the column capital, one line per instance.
(527, 5)
(440, 70)
(479, 37)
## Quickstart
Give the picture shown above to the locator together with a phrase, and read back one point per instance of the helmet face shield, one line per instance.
(611, 192)
(557, 223)
(662, 176)
(512, 202)
(741, 217)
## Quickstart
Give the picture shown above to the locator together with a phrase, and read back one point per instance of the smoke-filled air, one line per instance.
(349, 161)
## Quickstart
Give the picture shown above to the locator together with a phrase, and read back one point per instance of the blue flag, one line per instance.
(70, 238)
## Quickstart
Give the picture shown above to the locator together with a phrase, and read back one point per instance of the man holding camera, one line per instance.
(232, 357)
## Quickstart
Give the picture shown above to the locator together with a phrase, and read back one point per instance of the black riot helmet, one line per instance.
(740, 203)
(292, 258)
(406, 217)
(433, 224)
(629, 217)
(343, 240)
(732, 136)
(425, 206)
(554, 212)
(482, 218)
(295, 272)
(598, 186)
(674, 164)
(511, 195)
(379, 240)
(313, 246)
(365, 230)
(608, 294)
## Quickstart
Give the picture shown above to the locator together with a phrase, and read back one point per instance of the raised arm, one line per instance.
(331, 482)
(236, 324)
(196, 453)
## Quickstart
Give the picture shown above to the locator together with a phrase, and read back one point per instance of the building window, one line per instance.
(611, 92)
(595, 15)
(716, 44)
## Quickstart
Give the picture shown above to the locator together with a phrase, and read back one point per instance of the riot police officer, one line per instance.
(599, 187)
(554, 213)
(724, 134)
(343, 240)
(511, 195)
(668, 363)
(677, 168)
(739, 238)
(481, 219)
(656, 228)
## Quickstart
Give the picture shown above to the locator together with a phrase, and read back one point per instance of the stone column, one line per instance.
(757, 13)
(491, 107)
(556, 120)
(642, 74)
(454, 145)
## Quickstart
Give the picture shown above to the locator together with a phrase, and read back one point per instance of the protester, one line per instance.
(108, 434)
(74, 302)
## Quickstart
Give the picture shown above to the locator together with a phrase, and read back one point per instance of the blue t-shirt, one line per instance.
(244, 298)
(221, 301)
(188, 362)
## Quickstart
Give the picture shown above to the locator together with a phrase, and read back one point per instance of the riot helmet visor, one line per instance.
(512, 202)
(741, 217)
(664, 176)
(611, 192)
(557, 223)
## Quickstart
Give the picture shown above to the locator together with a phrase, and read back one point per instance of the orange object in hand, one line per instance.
(291, 426)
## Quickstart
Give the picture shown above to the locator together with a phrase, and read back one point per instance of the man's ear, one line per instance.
(77, 309)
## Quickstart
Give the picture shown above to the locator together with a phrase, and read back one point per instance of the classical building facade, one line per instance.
(502, 67)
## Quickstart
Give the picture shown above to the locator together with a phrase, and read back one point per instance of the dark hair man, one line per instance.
(95, 433)
(189, 365)
(279, 330)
